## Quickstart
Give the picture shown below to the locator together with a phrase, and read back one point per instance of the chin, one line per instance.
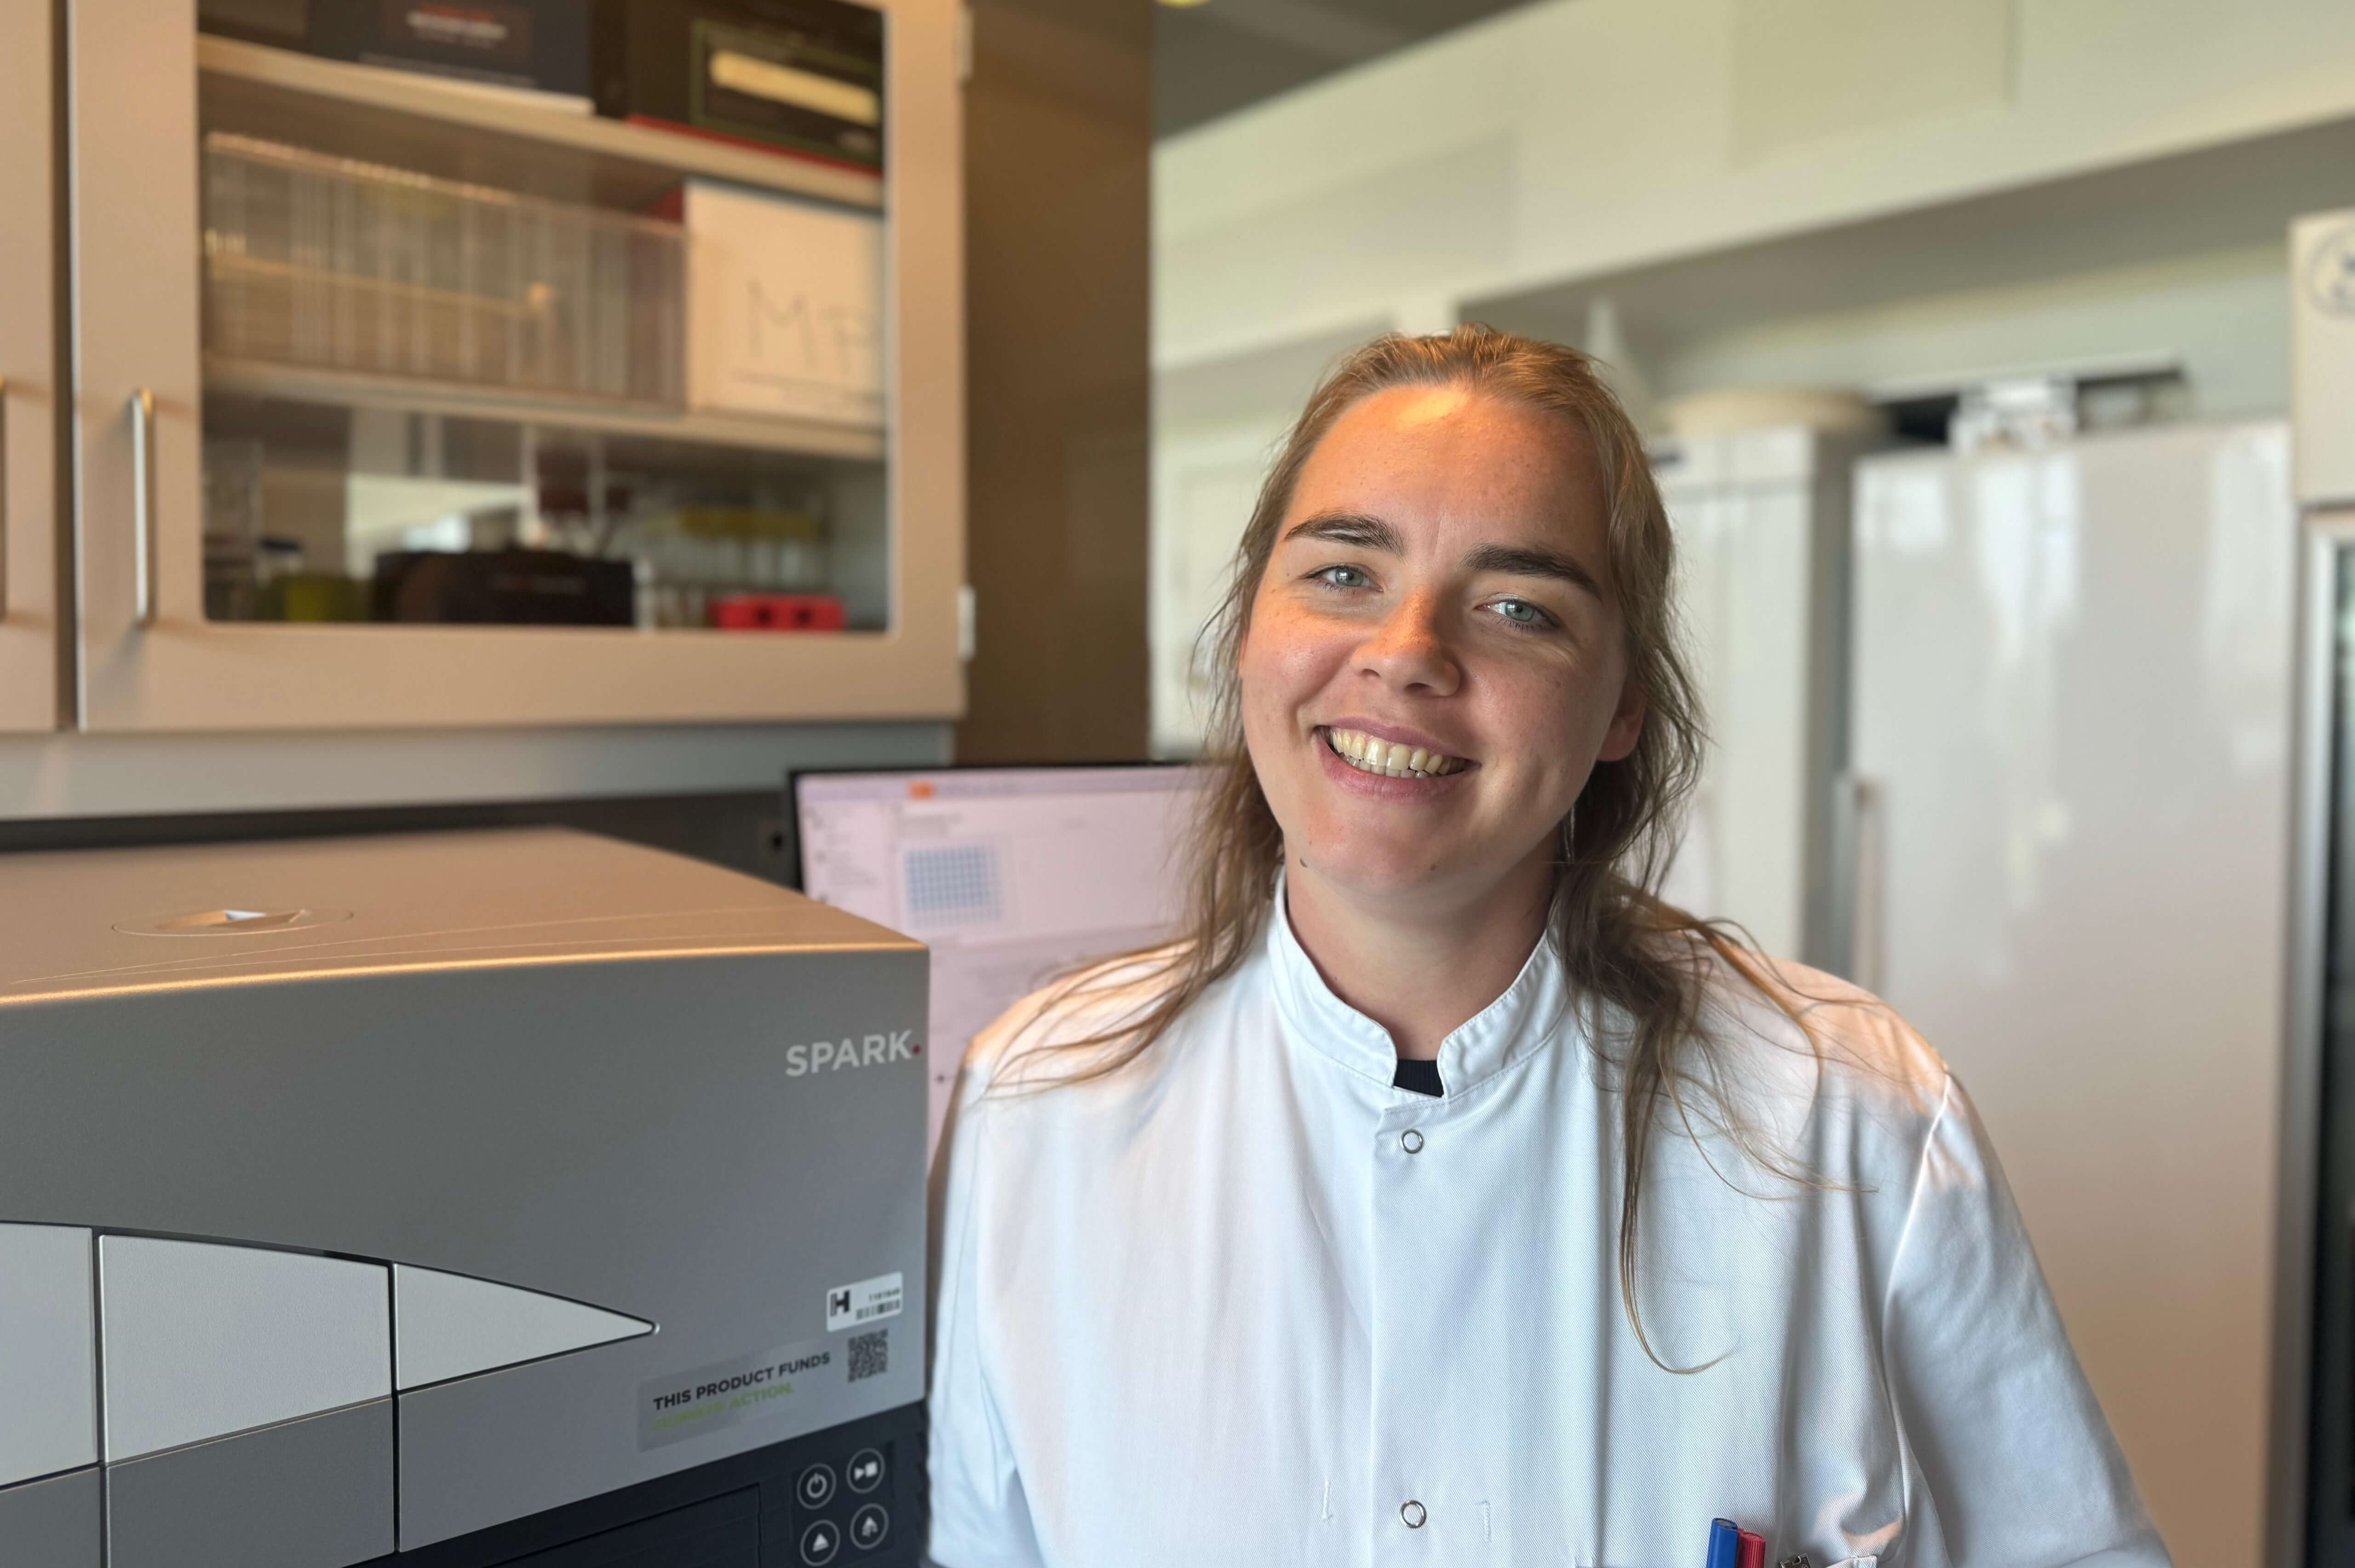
(1367, 865)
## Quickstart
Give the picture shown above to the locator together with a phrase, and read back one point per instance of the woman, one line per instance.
(1445, 1197)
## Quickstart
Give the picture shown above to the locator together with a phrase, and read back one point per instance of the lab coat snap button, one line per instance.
(1411, 1511)
(1410, 1140)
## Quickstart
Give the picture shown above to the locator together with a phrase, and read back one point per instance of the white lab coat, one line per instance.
(1212, 1309)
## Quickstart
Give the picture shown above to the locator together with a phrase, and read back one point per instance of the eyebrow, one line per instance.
(1510, 560)
(1514, 561)
(1349, 528)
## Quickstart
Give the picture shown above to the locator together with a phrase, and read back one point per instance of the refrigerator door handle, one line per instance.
(1858, 851)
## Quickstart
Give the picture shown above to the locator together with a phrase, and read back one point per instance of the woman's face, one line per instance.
(1434, 660)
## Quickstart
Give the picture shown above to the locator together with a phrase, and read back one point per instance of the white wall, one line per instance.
(1771, 192)
(2222, 317)
(1574, 137)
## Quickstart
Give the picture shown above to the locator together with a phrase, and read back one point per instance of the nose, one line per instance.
(1408, 649)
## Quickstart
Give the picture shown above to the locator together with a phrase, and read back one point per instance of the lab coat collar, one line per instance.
(1532, 1014)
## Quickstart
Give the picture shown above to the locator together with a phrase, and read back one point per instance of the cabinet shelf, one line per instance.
(809, 438)
(458, 131)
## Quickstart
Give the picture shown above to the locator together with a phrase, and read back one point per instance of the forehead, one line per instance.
(1448, 461)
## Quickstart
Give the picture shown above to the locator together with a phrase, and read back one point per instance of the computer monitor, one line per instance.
(1009, 875)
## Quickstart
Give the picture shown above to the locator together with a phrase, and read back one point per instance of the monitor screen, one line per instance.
(1009, 875)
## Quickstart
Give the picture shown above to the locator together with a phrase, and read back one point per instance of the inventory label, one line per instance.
(716, 1397)
(849, 1306)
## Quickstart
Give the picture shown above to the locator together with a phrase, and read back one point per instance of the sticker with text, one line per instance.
(849, 1306)
(716, 1397)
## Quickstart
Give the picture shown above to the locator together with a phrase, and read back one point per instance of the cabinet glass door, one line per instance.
(430, 398)
(29, 393)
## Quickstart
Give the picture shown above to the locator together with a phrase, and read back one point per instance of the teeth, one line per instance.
(1368, 755)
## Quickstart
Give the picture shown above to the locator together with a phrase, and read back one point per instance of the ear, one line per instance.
(1626, 724)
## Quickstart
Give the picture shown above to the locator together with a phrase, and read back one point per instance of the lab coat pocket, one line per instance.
(1870, 1560)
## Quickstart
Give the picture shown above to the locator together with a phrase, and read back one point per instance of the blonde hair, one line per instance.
(1630, 957)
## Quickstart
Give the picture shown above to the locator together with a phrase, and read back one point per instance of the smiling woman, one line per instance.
(1443, 1179)
(1440, 578)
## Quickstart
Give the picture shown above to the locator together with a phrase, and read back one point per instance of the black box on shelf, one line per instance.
(798, 76)
(502, 588)
(541, 44)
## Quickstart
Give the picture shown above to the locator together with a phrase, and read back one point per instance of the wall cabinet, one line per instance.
(383, 411)
(28, 399)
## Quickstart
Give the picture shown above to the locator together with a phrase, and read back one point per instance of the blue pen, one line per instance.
(1724, 1543)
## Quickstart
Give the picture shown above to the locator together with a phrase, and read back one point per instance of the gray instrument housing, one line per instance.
(538, 1058)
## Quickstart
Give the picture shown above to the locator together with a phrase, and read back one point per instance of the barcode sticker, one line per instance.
(849, 1306)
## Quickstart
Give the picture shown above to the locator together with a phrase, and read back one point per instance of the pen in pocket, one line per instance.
(1731, 1546)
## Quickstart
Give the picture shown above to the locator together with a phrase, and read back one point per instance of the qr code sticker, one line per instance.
(870, 1354)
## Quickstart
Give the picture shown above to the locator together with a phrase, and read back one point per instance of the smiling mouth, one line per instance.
(1369, 754)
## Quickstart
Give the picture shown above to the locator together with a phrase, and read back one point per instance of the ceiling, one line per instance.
(1219, 56)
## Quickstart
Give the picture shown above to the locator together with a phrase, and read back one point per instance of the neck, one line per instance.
(1420, 968)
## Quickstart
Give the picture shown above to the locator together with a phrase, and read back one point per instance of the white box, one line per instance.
(785, 307)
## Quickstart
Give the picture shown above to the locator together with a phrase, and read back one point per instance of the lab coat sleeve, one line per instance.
(979, 1517)
(2021, 1468)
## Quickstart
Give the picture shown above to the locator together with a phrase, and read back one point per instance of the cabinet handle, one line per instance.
(143, 475)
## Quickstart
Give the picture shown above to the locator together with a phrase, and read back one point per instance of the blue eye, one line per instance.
(1346, 576)
(1521, 612)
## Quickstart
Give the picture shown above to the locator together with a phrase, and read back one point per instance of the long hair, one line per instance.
(1640, 968)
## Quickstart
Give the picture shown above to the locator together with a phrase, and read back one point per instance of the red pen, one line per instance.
(1754, 1550)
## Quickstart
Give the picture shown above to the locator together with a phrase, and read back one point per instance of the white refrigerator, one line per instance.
(2071, 689)
(1762, 520)
(2313, 1443)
